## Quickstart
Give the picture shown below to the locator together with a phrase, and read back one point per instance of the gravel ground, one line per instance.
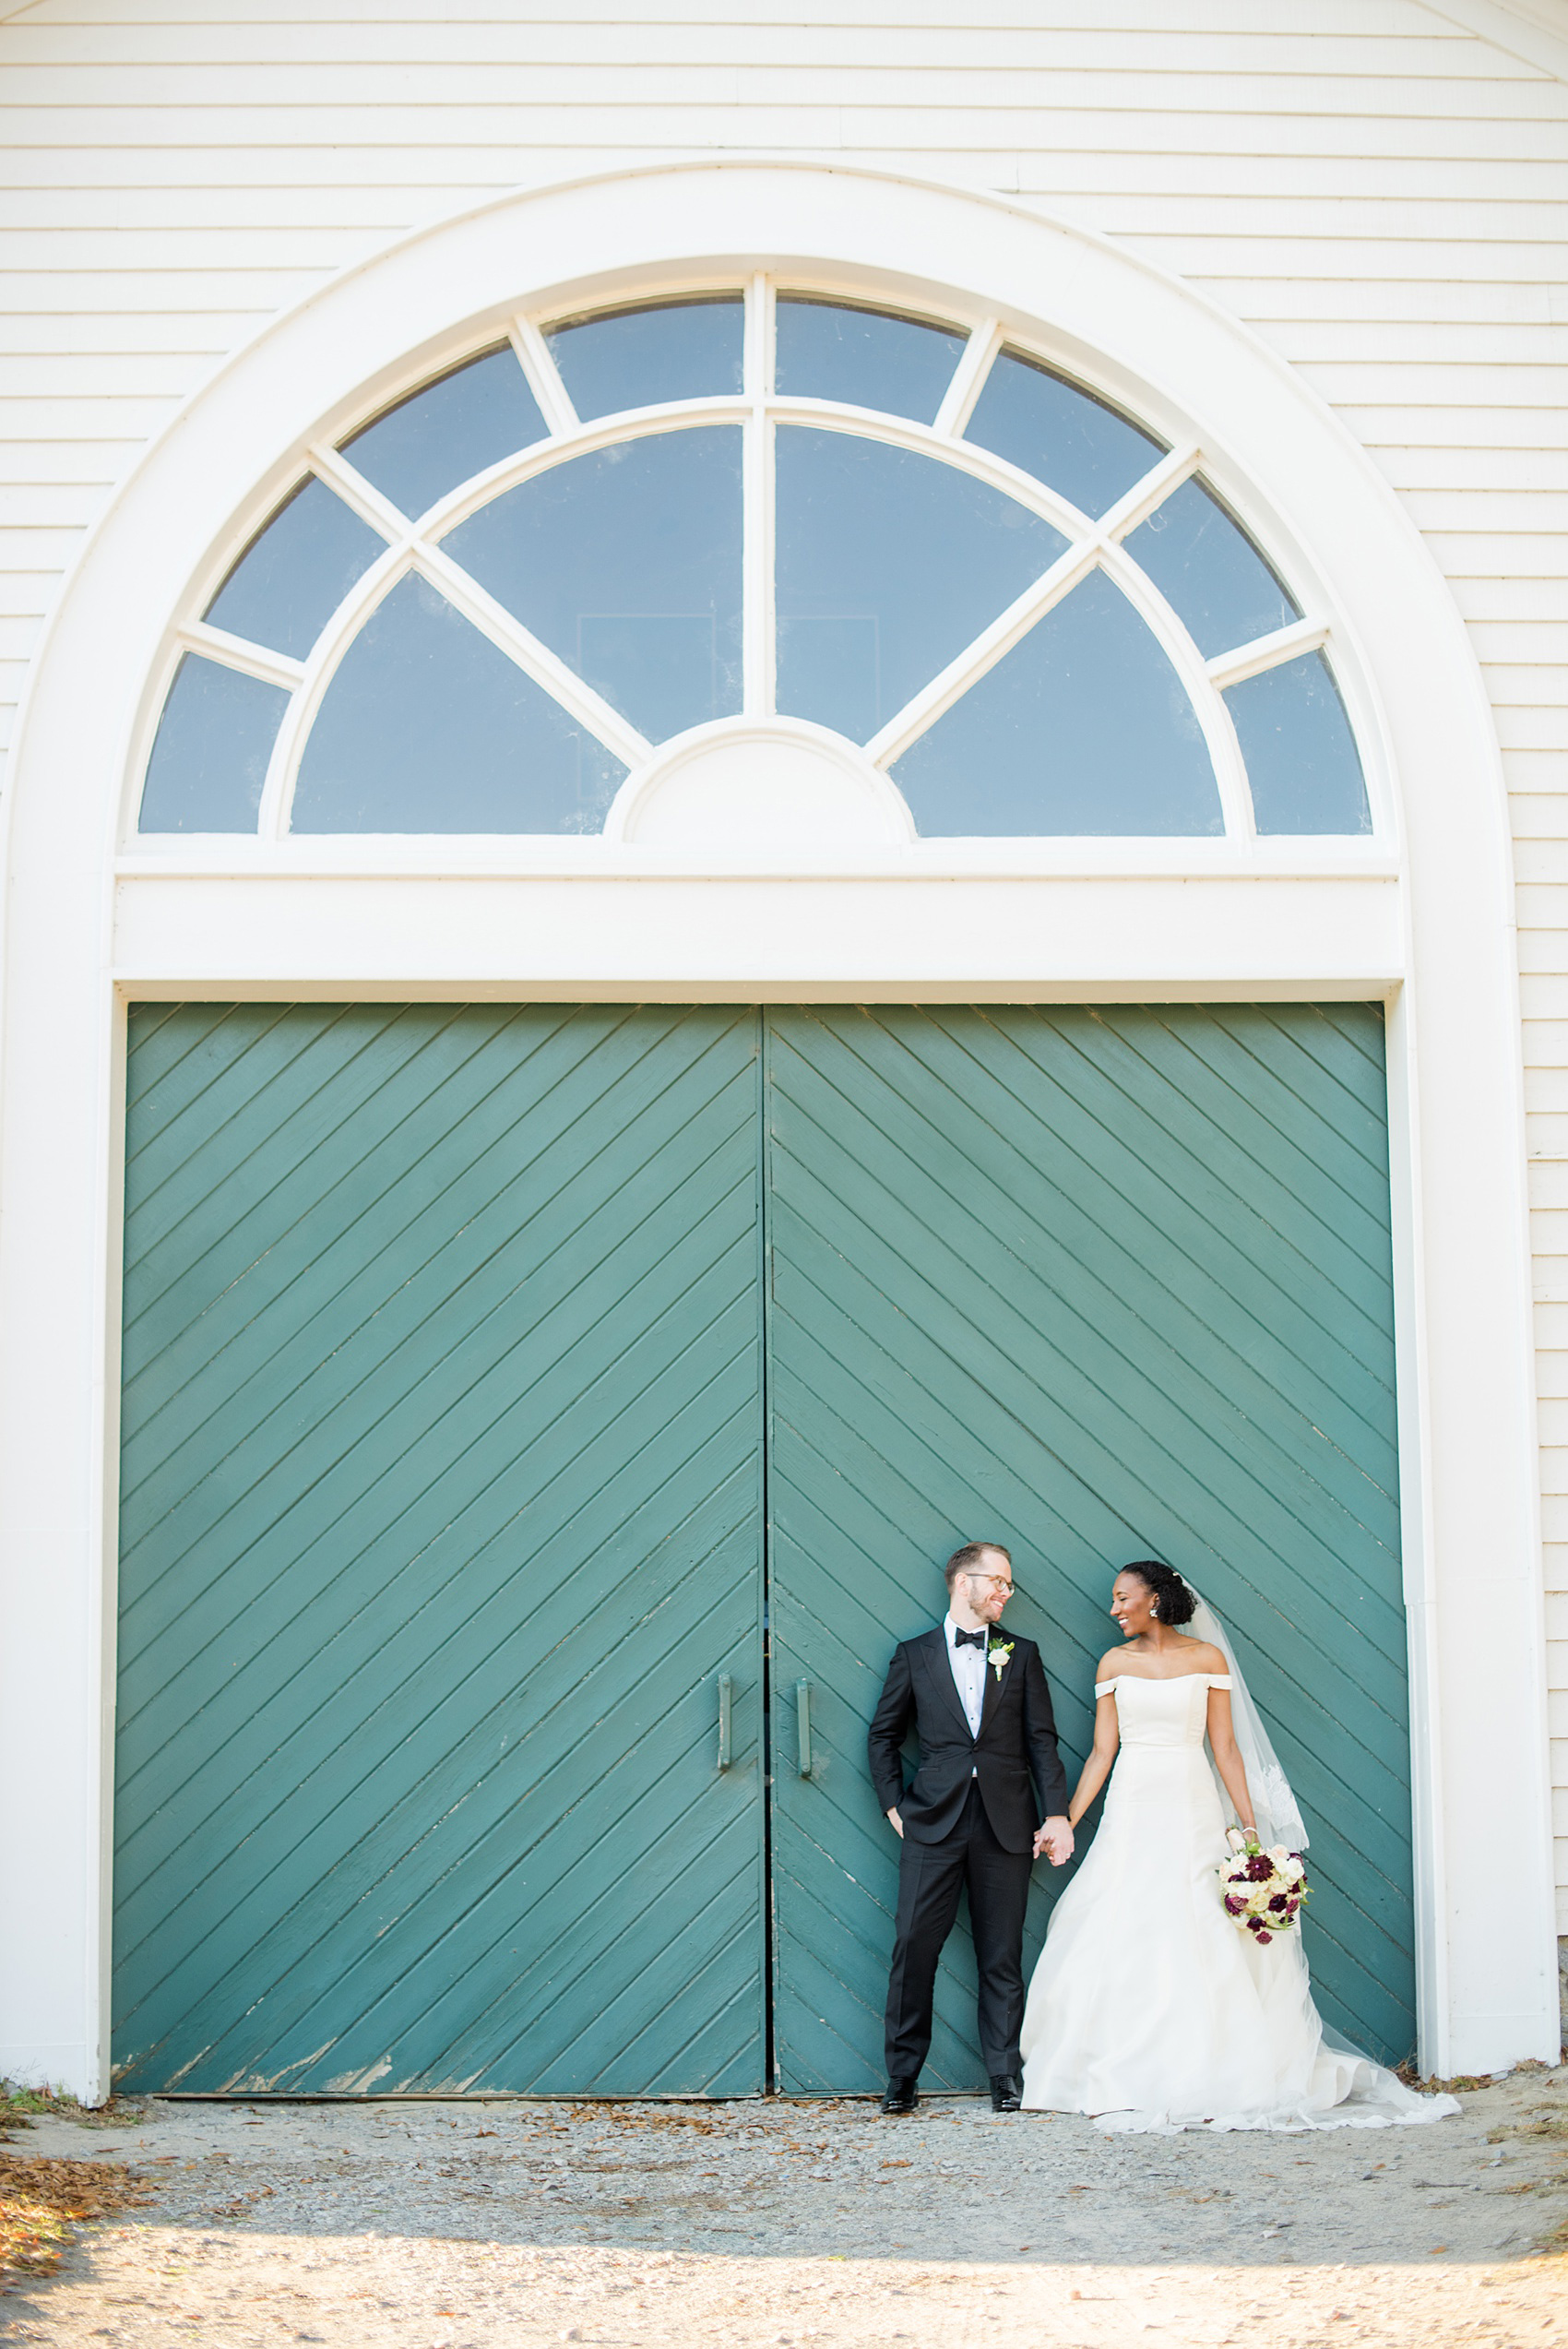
(438, 2225)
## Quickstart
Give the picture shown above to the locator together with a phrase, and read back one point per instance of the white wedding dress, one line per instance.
(1148, 2008)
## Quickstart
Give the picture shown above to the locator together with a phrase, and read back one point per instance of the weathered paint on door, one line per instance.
(1100, 1284)
(440, 1519)
(443, 1499)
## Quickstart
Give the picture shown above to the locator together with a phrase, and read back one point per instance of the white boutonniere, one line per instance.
(999, 1656)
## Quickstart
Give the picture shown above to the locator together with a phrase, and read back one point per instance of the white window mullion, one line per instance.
(543, 455)
(1268, 652)
(544, 376)
(282, 768)
(975, 362)
(546, 668)
(1151, 490)
(758, 621)
(330, 466)
(965, 456)
(1208, 705)
(1230, 767)
(761, 330)
(927, 706)
(238, 652)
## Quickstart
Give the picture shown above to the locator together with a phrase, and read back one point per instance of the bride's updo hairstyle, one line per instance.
(1174, 1603)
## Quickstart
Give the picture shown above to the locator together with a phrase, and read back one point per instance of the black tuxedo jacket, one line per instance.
(1017, 1737)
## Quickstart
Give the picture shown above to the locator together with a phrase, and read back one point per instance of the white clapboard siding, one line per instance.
(1442, 467)
(1540, 828)
(55, 377)
(1379, 187)
(1321, 344)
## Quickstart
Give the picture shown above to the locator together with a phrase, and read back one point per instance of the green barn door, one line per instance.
(440, 1521)
(1102, 1284)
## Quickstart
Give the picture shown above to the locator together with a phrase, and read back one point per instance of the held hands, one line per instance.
(1055, 1837)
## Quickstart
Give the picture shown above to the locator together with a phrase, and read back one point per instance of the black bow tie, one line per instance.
(967, 1639)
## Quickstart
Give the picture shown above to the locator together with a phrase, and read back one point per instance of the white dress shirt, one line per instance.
(968, 1675)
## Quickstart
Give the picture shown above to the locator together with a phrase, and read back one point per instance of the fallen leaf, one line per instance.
(41, 2199)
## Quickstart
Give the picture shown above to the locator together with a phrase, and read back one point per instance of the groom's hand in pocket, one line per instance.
(898, 1825)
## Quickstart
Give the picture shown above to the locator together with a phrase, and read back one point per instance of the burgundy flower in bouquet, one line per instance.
(1263, 1892)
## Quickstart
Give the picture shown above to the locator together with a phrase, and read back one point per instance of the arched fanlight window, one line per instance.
(496, 601)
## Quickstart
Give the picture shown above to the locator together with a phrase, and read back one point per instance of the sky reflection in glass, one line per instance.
(829, 351)
(1209, 570)
(210, 758)
(889, 564)
(637, 358)
(452, 429)
(1062, 435)
(1301, 758)
(627, 564)
(1084, 728)
(296, 571)
(427, 728)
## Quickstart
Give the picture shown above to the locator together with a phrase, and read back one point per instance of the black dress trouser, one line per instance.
(931, 1877)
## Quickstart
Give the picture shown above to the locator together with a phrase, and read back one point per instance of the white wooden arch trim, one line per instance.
(1423, 922)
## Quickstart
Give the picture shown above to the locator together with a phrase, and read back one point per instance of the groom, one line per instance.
(981, 1712)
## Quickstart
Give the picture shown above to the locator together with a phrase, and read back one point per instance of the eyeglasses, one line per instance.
(997, 1583)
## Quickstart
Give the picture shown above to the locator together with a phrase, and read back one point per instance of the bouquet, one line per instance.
(1263, 1891)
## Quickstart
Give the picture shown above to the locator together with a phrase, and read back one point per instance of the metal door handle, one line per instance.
(726, 1707)
(804, 1723)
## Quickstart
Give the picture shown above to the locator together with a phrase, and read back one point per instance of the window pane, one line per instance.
(627, 563)
(427, 728)
(636, 358)
(1059, 434)
(1301, 758)
(449, 430)
(1084, 728)
(829, 351)
(1208, 568)
(889, 564)
(210, 757)
(295, 572)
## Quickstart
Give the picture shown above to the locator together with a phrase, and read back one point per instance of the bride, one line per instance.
(1148, 2008)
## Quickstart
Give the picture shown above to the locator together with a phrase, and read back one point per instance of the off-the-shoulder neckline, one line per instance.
(1157, 1677)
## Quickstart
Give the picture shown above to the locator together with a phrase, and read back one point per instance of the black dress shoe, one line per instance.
(900, 2096)
(1005, 2094)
